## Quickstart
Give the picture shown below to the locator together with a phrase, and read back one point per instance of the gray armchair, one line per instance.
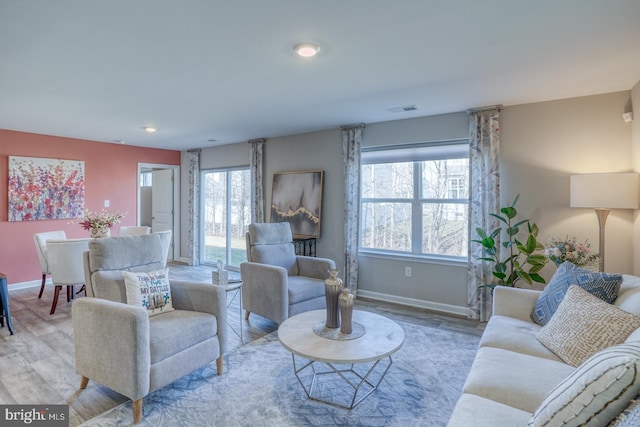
(277, 283)
(120, 345)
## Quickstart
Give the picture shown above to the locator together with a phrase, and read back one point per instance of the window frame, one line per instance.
(413, 153)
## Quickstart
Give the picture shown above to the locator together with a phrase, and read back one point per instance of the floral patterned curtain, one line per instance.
(193, 206)
(484, 199)
(351, 142)
(257, 195)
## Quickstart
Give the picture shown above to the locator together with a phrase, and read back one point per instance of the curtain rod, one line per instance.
(353, 126)
(251, 141)
(481, 109)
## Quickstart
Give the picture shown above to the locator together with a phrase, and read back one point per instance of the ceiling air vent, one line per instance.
(403, 109)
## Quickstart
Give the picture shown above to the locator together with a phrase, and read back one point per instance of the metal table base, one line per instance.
(362, 384)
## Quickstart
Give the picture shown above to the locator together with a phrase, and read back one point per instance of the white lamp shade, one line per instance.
(605, 191)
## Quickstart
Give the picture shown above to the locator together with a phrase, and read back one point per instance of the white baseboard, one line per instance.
(412, 302)
(26, 285)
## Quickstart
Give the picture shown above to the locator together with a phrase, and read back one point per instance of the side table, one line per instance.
(4, 307)
(235, 285)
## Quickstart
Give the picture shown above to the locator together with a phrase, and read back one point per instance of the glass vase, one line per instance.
(346, 311)
(332, 287)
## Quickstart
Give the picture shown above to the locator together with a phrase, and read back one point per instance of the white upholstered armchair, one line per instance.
(277, 283)
(128, 350)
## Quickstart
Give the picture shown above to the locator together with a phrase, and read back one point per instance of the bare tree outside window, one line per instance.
(387, 221)
(226, 215)
(445, 194)
(418, 206)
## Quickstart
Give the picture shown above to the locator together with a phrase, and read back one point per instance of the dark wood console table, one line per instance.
(305, 246)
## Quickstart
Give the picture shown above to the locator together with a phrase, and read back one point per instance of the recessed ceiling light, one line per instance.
(150, 129)
(307, 50)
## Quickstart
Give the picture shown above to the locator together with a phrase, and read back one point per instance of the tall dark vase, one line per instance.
(345, 302)
(332, 287)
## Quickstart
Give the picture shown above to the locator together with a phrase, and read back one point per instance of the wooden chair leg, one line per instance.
(246, 315)
(56, 294)
(219, 365)
(137, 411)
(44, 280)
(83, 383)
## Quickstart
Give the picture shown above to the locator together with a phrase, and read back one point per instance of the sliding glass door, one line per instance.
(226, 212)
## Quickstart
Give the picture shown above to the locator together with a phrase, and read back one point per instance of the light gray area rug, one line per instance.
(259, 388)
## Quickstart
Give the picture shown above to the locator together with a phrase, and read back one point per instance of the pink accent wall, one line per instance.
(111, 172)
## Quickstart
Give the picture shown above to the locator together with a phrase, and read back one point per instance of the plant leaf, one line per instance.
(524, 276)
(510, 212)
(481, 233)
(499, 217)
(531, 244)
(537, 278)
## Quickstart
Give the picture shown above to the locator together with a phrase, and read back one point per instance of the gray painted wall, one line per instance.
(542, 144)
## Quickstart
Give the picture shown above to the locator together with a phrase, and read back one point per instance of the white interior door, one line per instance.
(162, 203)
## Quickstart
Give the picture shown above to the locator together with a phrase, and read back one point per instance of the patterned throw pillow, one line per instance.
(604, 286)
(596, 392)
(584, 325)
(150, 291)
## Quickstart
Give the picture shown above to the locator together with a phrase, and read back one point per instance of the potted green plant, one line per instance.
(523, 260)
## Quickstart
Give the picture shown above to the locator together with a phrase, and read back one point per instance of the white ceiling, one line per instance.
(225, 70)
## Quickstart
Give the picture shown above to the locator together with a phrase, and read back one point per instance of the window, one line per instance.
(145, 178)
(226, 213)
(414, 199)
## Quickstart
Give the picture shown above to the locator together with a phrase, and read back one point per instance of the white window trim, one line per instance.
(451, 149)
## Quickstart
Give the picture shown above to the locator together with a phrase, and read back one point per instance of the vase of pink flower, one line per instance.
(99, 223)
(572, 250)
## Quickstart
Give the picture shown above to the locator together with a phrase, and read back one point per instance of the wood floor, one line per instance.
(36, 364)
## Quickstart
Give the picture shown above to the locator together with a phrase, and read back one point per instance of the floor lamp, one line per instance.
(603, 192)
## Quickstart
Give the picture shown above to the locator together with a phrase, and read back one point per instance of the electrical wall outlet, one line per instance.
(106, 203)
(407, 271)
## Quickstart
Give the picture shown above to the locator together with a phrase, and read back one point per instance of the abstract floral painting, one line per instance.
(296, 198)
(42, 189)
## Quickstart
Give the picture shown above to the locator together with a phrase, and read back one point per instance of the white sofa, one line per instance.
(513, 372)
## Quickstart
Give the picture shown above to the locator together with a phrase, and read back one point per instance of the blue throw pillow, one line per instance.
(602, 285)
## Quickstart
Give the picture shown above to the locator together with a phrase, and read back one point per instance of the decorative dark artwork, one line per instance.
(296, 198)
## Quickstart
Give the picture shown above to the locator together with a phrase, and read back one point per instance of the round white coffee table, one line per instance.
(368, 358)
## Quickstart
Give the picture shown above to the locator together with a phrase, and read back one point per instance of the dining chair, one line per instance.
(66, 265)
(40, 240)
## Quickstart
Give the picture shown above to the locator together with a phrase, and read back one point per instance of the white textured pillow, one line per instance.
(583, 325)
(629, 300)
(596, 392)
(150, 291)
